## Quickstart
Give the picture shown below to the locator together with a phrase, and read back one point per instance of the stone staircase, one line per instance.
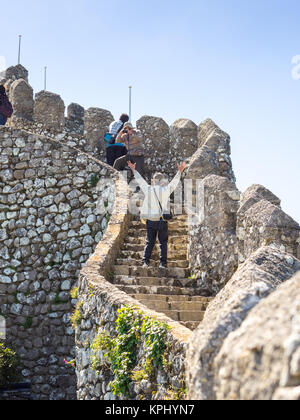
(170, 291)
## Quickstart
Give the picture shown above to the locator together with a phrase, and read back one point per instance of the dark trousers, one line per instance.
(154, 229)
(113, 153)
(121, 163)
(2, 119)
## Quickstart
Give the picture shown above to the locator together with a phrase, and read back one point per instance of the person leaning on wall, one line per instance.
(115, 149)
(134, 142)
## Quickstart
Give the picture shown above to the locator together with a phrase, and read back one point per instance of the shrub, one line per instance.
(9, 363)
(133, 330)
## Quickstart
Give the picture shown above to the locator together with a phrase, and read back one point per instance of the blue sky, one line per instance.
(230, 60)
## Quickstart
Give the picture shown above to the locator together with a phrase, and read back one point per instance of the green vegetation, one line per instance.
(74, 293)
(76, 318)
(9, 364)
(176, 394)
(28, 323)
(120, 352)
(94, 180)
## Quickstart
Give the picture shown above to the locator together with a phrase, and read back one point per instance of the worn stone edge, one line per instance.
(101, 264)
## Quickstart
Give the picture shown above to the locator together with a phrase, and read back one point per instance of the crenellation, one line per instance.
(96, 121)
(16, 72)
(49, 110)
(21, 97)
(265, 224)
(183, 139)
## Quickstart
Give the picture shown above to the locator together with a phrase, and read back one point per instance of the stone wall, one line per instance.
(212, 241)
(99, 311)
(210, 135)
(165, 146)
(261, 221)
(21, 97)
(15, 73)
(49, 110)
(99, 314)
(256, 279)
(96, 121)
(261, 360)
(53, 213)
(156, 134)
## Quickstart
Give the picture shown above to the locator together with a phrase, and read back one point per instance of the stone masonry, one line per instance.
(266, 224)
(49, 110)
(261, 360)
(52, 216)
(64, 220)
(256, 279)
(212, 241)
(21, 97)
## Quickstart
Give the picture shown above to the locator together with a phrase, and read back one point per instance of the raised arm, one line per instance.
(174, 184)
(140, 180)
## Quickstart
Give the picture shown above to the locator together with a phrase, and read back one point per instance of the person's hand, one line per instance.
(132, 166)
(182, 167)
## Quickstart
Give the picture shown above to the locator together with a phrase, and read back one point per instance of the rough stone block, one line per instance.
(156, 134)
(184, 141)
(16, 72)
(211, 136)
(203, 163)
(261, 274)
(265, 224)
(21, 97)
(75, 112)
(49, 110)
(213, 252)
(96, 122)
(261, 360)
(253, 195)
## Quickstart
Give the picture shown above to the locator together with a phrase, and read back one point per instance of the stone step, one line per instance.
(141, 248)
(154, 281)
(177, 217)
(161, 306)
(171, 298)
(135, 271)
(172, 256)
(142, 232)
(137, 263)
(172, 226)
(184, 316)
(176, 240)
(158, 290)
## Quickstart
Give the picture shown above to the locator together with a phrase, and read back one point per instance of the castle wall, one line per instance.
(212, 242)
(255, 280)
(53, 213)
(99, 303)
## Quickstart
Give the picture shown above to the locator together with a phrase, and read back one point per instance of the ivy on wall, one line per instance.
(133, 330)
(9, 366)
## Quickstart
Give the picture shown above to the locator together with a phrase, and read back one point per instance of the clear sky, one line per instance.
(230, 60)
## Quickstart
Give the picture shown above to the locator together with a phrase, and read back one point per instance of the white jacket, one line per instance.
(151, 209)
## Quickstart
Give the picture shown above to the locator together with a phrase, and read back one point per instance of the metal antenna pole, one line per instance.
(45, 79)
(19, 54)
(130, 103)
